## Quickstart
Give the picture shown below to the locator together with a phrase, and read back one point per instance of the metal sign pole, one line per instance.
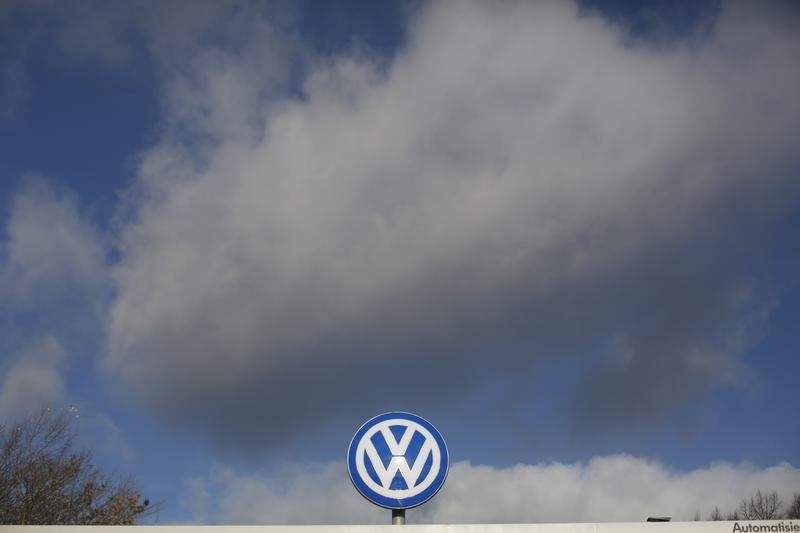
(398, 517)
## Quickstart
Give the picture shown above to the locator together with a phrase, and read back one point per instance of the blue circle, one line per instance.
(381, 448)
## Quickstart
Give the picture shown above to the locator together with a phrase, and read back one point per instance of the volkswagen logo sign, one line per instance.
(398, 460)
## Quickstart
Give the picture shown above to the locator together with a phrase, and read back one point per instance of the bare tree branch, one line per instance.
(761, 507)
(793, 512)
(45, 480)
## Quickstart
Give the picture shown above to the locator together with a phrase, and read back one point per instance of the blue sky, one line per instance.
(564, 233)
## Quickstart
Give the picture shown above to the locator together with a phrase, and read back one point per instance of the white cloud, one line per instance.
(53, 283)
(519, 181)
(606, 489)
(308, 494)
(51, 251)
(31, 379)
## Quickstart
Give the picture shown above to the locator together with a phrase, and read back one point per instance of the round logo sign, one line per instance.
(397, 460)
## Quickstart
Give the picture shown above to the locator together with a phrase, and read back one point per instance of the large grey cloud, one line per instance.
(519, 181)
(617, 488)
